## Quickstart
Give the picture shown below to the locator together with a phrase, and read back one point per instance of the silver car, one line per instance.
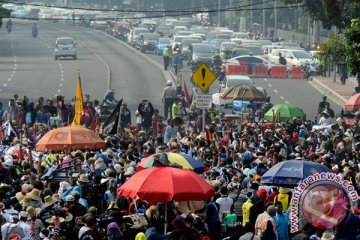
(65, 47)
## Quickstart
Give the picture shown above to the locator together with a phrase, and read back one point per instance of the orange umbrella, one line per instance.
(353, 103)
(70, 138)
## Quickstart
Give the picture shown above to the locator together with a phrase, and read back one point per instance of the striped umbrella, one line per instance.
(183, 160)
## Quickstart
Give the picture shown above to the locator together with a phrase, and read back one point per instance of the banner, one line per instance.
(112, 123)
(79, 104)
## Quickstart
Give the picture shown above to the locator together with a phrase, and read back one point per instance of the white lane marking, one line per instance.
(287, 102)
(59, 90)
(15, 60)
(60, 85)
(62, 79)
(282, 98)
(13, 74)
(9, 79)
(265, 79)
(269, 85)
(5, 84)
(276, 91)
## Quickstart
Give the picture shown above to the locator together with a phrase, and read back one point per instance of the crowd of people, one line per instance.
(236, 153)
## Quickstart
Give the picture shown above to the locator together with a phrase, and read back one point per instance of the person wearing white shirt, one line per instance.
(225, 202)
(23, 224)
(325, 119)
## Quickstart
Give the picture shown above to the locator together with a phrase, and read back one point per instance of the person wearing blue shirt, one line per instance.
(212, 220)
(282, 222)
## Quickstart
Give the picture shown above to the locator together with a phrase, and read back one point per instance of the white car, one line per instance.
(294, 57)
(65, 47)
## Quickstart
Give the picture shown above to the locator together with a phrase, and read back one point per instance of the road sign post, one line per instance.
(203, 77)
(203, 101)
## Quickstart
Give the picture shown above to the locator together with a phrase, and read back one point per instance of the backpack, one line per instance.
(88, 235)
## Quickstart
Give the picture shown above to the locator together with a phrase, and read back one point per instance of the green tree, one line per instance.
(352, 35)
(332, 52)
(331, 12)
(4, 13)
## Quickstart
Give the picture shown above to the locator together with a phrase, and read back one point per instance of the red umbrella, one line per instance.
(353, 103)
(164, 184)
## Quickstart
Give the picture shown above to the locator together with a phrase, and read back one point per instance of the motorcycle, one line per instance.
(34, 33)
(306, 71)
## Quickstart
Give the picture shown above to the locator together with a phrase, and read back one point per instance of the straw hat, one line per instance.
(34, 194)
(56, 196)
(129, 171)
(53, 219)
(25, 202)
(33, 211)
(49, 201)
(20, 195)
(112, 205)
(69, 217)
(83, 178)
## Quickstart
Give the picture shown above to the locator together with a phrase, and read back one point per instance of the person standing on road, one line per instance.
(146, 110)
(166, 57)
(168, 97)
(177, 62)
(282, 60)
(344, 74)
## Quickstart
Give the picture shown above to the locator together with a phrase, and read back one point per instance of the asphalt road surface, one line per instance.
(28, 68)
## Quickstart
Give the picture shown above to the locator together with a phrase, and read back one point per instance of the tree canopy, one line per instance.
(331, 12)
(352, 35)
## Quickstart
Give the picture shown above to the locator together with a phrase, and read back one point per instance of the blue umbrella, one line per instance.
(290, 173)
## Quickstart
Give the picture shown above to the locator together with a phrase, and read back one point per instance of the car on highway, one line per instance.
(202, 52)
(65, 47)
(250, 61)
(186, 42)
(148, 42)
(161, 45)
(294, 57)
(135, 33)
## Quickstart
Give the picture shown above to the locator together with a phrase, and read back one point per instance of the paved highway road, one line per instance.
(28, 66)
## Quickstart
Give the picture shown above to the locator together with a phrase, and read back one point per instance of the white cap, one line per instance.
(9, 162)
(169, 82)
(23, 214)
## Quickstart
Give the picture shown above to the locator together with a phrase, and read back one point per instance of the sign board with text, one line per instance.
(203, 101)
(203, 77)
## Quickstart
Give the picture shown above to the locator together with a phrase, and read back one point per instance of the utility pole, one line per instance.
(219, 13)
(275, 13)
(263, 20)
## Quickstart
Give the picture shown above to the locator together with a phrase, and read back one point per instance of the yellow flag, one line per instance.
(79, 104)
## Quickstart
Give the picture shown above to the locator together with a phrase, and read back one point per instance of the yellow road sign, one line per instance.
(203, 77)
